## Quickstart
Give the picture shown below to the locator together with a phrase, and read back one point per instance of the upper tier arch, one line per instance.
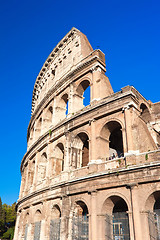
(73, 47)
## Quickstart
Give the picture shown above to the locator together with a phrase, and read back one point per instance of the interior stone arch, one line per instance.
(111, 140)
(145, 114)
(80, 150)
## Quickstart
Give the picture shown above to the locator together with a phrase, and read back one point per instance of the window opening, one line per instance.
(64, 104)
(86, 97)
(83, 91)
(85, 149)
(59, 151)
(116, 142)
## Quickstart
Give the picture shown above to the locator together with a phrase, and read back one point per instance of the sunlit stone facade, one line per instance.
(90, 172)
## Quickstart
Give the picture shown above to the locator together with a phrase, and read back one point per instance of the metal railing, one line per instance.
(117, 226)
(154, 225)
(80, 228)
(55, 229)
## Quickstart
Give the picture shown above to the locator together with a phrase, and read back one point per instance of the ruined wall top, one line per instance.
(66, 56)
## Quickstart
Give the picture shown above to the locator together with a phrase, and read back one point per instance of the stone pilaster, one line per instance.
(93, 217)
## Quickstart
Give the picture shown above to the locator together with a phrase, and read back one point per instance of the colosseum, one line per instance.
(91, 172)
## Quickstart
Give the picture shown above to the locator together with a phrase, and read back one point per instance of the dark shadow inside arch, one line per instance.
(120, 206)
(145, 114)
(61, 148)
(117, 225)
(85, 150)
(120, 220)
(84, 209)
(115, 139)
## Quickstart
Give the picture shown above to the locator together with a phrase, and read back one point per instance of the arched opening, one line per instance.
(50, 115)
(145, 114)
(115, 140)
(42, 167)
(80, 150)
(111, 141)
(120, 220)
(37, 224)
(153, 203)
(38, 127)
(55, 223)
(31, 135)
(64, 103)
(31, 173)
(59, 158)
(83, 94)
(116, 219)
(61, 109)
(80, 223)
(85, 148)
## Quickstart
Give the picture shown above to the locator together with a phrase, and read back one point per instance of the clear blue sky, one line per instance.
(127, 31)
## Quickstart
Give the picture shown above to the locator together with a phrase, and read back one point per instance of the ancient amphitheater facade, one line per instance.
(90, 172)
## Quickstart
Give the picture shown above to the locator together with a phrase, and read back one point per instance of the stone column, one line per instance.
(131, 224)
(29, 232)
(93, 216)
(137, 227)
(43, 228)
(101, 86)
(55, 118)
(101, 227)
(36, 170)
(76, 100)
(128, 128)
(67, 151)
(64, 218)
(45, 120)
(96, 72)
(145, 224)
(92, 142)
(70, 102)
(26, 178)
(49, 162)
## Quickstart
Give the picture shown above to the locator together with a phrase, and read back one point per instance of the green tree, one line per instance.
(9, 234)
(7, 220)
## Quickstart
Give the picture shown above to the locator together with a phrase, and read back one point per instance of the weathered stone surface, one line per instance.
(85, 164)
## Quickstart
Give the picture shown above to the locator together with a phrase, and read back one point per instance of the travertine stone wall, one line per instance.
(88, 161)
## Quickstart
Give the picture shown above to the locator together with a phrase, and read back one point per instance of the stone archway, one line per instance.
(59, 158)
(80, 221)
(80, 150)
(37, 224)
(111, 140)
(116, 218)
(153, 207)
(55, 223)
(145, 114)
